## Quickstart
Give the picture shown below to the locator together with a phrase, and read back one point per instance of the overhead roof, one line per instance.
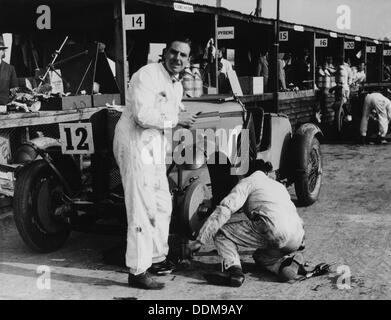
(252, 19)
(7, 6)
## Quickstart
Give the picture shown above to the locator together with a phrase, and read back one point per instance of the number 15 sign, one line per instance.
(76, 138)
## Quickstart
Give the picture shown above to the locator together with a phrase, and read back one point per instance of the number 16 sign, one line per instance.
(76, 138)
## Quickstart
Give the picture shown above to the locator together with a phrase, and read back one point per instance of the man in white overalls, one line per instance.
(153, 104)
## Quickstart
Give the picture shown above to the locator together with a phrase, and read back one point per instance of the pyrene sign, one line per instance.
(225, 33)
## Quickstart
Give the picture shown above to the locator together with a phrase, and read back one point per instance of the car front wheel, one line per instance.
(309, 177)
(37, 196)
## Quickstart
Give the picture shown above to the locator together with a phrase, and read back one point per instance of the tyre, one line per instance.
(343, 124)
(308, 179)
(36, 197)
(339, 120)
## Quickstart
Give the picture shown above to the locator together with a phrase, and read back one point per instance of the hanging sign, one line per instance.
(321, 42)
(225, 33)
(183, 7)
(387, 52)
(371, 49)
(283, 36)
(349, 45)
(134, 21)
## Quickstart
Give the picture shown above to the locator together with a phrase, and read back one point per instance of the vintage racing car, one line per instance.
(73, 183)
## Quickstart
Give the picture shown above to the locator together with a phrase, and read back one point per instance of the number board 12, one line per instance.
(76, 138)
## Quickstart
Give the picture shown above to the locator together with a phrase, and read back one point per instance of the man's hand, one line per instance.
(194, 246)
(186, 119)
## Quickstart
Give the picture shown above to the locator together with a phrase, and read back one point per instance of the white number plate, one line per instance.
(284, 36)
(135, 21)
(76, 138)
(349, 45)
(321, 42)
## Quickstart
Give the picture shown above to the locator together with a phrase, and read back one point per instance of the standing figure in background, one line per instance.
(300, 70)
(323, 83)
(342, 89)
(360, 75)
(8, 79)
(281, 71)
(331, 70)
(224, 66)
(210, 58)
(288, 69)
(263, 68)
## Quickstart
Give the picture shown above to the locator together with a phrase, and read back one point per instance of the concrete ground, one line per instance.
(349, 225)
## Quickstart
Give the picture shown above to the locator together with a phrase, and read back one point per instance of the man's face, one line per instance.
(177, 57)
(2, 54)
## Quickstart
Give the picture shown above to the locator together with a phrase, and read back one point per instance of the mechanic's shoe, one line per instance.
(162, 268)
(232, 277)
(292, 269)
(144, 281)
(381, 140)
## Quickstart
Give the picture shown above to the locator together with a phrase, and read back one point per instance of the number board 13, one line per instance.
(76, 138)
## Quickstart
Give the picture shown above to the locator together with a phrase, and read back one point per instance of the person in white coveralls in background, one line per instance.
(379, 105)
(153, 104)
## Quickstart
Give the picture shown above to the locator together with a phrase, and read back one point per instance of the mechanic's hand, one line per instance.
(194, 246)
(186, 119)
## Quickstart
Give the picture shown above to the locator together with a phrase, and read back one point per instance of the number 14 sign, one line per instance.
(135, 21)
(76, 138)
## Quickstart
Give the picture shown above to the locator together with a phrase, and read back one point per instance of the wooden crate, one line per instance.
(100, 100)
(67, 103)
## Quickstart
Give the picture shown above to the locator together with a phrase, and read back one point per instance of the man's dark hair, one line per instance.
(260, 165)
(180, 39)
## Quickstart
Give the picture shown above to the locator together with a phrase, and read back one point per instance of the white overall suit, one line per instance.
(382, 106)
(152, 105)
(274, 227)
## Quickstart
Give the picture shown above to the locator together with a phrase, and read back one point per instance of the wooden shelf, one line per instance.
(14, 120)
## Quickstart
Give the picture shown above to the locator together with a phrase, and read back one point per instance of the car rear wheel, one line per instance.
(309, 177)
(37, 196)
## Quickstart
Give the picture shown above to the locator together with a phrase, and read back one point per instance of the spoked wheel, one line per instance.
(314, 169)
(341, 120)
(37, 198)
(308, 180)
